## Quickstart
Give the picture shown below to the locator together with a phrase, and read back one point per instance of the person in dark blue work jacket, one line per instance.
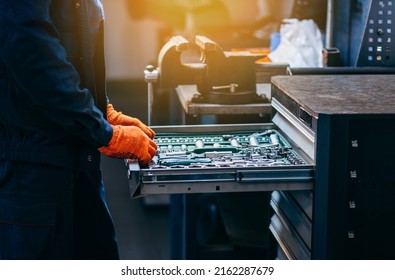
(55, 121)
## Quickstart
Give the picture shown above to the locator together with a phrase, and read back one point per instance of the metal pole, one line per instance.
(150, 76)
(329, 23)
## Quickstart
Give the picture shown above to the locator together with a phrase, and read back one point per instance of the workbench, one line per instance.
(186, 93)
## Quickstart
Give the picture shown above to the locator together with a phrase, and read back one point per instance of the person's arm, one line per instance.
(31, 50)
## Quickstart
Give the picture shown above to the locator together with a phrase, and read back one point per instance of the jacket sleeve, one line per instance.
(31, 50)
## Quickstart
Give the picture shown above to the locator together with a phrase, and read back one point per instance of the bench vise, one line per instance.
(221, 77)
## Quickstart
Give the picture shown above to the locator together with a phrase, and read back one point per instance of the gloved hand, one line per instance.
(117, 118)
(130, 142)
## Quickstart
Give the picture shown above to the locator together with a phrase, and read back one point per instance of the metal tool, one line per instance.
(221, 77)
(264, 148)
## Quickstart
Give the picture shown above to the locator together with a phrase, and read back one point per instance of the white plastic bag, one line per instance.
(301, 44)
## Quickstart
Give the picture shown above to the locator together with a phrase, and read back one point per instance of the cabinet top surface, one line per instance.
(340, 94)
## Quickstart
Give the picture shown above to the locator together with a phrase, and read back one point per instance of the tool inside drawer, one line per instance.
(222, 161)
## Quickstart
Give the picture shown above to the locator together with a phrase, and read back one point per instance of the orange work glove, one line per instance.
(130, 142)
(117, 118)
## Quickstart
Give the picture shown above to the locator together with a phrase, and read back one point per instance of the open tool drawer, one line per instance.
(222, 158)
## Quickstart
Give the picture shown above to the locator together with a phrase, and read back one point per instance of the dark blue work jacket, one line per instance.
(52, 82)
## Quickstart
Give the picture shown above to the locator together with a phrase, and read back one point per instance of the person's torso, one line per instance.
(31, 136)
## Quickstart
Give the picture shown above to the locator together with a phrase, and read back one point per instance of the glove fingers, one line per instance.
(148, 149)
(145, 159)
(147, 130)
(153, 144)
(152, 151)
(150, 132)
(148, 154)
